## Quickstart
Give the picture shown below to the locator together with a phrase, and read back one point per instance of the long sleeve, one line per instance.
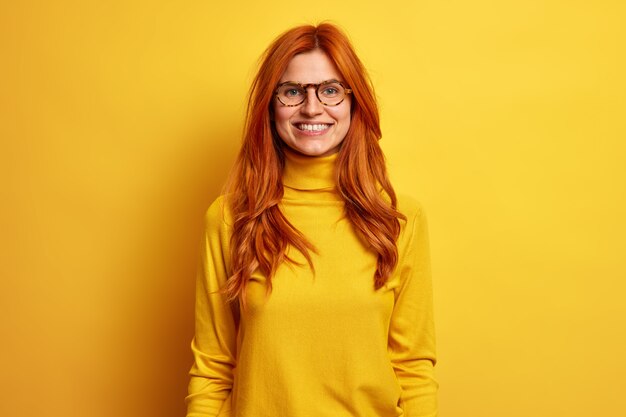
(411, 342)
(215, 341)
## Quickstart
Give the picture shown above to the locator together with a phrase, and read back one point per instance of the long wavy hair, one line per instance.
(260, 231)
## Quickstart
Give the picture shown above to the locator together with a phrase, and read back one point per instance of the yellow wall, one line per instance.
(119, 120)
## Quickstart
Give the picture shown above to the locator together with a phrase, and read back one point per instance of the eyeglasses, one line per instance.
(329, 93)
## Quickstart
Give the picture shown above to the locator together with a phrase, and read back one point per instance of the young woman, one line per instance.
(314, 295)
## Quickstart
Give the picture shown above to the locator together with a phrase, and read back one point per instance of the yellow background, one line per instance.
(119, 121)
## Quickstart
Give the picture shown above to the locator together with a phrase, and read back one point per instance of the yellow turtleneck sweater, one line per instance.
(324, 344)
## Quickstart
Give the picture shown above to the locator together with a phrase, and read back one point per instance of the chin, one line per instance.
(315, 151)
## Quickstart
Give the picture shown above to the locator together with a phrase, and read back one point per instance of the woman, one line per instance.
(314, 295)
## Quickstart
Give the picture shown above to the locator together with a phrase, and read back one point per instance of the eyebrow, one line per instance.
(321, 82)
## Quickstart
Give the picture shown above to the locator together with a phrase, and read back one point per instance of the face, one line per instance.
(312, 128)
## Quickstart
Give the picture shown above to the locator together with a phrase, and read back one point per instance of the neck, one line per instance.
(304, 172)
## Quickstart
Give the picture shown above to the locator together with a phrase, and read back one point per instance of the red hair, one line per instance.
(261, 233)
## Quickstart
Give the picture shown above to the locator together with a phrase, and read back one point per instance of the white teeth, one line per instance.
(318, 127)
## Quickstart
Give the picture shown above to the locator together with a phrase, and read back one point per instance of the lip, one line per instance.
(310, 122)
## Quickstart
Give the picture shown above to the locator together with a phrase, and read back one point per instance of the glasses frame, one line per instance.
(305, 87)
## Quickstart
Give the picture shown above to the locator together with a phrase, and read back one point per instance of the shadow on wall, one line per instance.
(162, 324)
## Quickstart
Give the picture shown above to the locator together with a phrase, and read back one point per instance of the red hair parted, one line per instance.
(261, 233)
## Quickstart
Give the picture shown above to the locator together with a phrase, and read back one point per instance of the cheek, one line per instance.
(346, 123)
(343, 118)
(281, 115)
(341, 113)
(281, 122)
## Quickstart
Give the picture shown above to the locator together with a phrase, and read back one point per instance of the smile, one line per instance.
(312, 127)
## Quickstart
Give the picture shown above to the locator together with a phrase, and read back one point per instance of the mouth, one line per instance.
(312, 127)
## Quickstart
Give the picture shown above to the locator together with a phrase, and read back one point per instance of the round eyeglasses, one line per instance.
(329, 93)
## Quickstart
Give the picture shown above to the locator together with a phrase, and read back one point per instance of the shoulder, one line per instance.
(416, 222)
(410, 207)
(218, 215)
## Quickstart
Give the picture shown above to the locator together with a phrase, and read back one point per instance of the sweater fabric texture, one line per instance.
(324, 343)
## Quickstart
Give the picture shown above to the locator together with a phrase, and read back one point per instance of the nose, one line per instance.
(311, 106)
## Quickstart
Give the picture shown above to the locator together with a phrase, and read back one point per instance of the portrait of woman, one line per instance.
(222, 209)
(314, 293)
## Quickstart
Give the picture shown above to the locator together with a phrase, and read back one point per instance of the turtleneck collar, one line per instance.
(308, 172)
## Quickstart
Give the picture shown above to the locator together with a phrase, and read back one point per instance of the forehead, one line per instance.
(311, 67)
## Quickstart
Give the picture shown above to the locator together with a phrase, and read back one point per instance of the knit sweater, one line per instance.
(325, 343)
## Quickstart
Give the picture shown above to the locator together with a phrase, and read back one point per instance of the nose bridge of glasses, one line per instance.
(307, 93)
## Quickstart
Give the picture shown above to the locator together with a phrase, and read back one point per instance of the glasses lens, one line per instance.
(291, 94)
(331, 93)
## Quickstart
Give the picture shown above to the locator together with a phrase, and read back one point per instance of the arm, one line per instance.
(215, 341)
(411, 341)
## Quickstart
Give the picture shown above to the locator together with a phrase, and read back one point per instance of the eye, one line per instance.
(331, 90)
(292, 92)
